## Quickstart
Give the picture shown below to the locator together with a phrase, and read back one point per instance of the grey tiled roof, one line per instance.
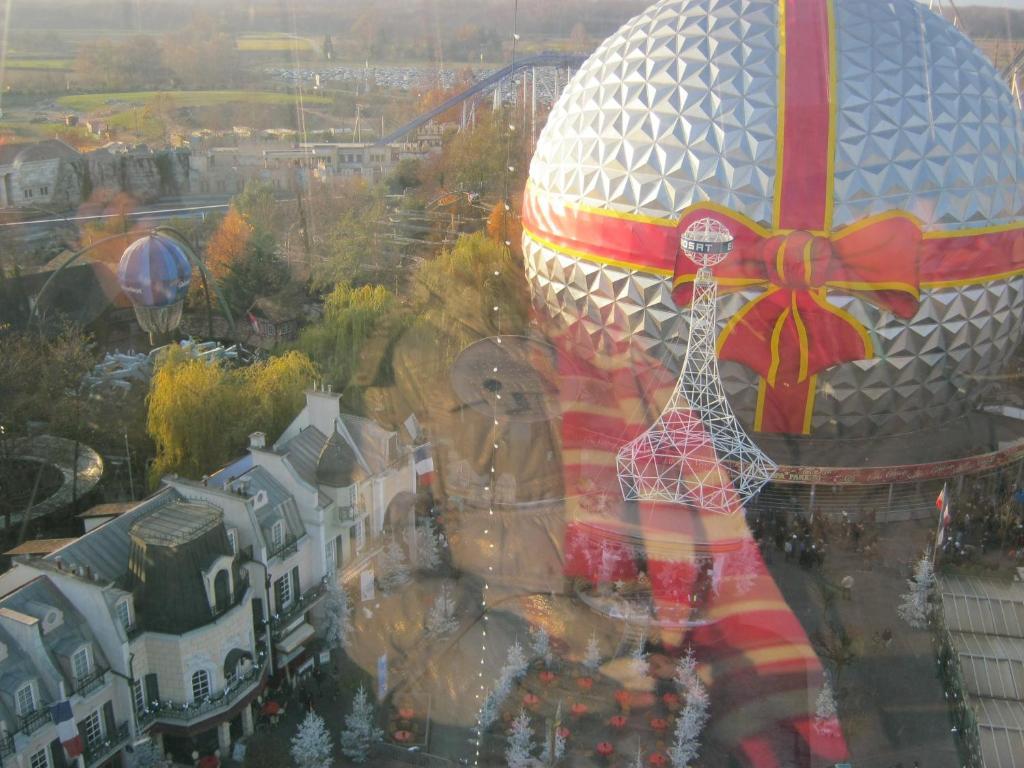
(303, 452)
(32, 599)
(371, 440)
(106, 549)
(279, 504)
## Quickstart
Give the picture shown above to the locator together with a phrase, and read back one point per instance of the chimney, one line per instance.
(60, 562)
(257, 440)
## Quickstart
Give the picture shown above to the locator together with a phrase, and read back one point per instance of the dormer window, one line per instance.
(81, 663)
(124, 614)
(260, 499)
(25, 699)
(277, 535)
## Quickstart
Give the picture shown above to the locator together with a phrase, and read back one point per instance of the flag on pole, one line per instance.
(424, 463)
(67, 731)
(942, 505)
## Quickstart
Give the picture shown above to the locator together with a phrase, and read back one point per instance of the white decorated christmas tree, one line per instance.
(515, 662)
(337, 616)
(686, 741)
(394, 567)
(311, 745)
(520, 742)
(686, 670)
(638, 658)
(540, 642)
(915, 608)
(423, 541)
(592, 657)
(554, 745)
(441, 619)
(360, 733)
(826, 712)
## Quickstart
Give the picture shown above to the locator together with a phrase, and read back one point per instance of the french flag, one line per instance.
(67, 731)
(424, 463)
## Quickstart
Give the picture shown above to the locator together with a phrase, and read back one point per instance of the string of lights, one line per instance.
(490, 486)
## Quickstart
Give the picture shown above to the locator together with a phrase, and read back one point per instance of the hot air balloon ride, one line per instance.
(155, 273)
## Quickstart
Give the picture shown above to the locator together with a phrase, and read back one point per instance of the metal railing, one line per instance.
(185, 712)
(99, 751)
(34, 720)
(305, 601)
(287, 548)
(91, 682)
(6, 746)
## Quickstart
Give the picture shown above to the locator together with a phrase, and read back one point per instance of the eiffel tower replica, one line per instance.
(696, 453)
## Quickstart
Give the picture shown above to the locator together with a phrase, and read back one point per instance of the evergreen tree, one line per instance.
(360, 733)
(592, 657)
(686, 744)
(826, 712)
(337, 616)
(394, 567)
(516, 663)
(520, 742)
(638, 659)
(686, 671)
(441, 617)
(549, 756)
(916, 606)
(311, 745)
(540, 641)
(422, 539)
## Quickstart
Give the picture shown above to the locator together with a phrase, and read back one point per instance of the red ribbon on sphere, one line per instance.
(791, 332)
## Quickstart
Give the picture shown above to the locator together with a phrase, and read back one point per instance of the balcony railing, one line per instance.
(287, 548)
(91, 682)
(280, 621)
(185, 712)
(99, 751)
(6, 746)
(33, 721)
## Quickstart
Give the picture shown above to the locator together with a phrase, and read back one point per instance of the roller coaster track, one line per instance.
(482, 86)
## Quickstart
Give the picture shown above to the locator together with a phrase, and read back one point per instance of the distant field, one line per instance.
(48, 64)
(273, 43)
(93, 101)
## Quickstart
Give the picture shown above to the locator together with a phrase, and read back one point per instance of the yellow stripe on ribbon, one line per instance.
(780, 322)
(801, 334)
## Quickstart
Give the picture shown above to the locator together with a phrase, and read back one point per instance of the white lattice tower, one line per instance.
(696, 453)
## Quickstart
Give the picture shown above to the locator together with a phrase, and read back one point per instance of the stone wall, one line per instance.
(146, 177)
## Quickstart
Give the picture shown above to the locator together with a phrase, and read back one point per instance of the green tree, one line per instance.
(339, 342)
(348, 250)
(256, 202)
(467, 281)
(200, 413)
(258, 272)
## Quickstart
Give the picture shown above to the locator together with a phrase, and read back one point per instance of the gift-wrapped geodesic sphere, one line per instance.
(869, 163)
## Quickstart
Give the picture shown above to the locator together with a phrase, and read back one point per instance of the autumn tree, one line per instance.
(504, 224)
(228, 244)
(200, 413)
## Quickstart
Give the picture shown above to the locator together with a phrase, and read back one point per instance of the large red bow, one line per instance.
(791, 332)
